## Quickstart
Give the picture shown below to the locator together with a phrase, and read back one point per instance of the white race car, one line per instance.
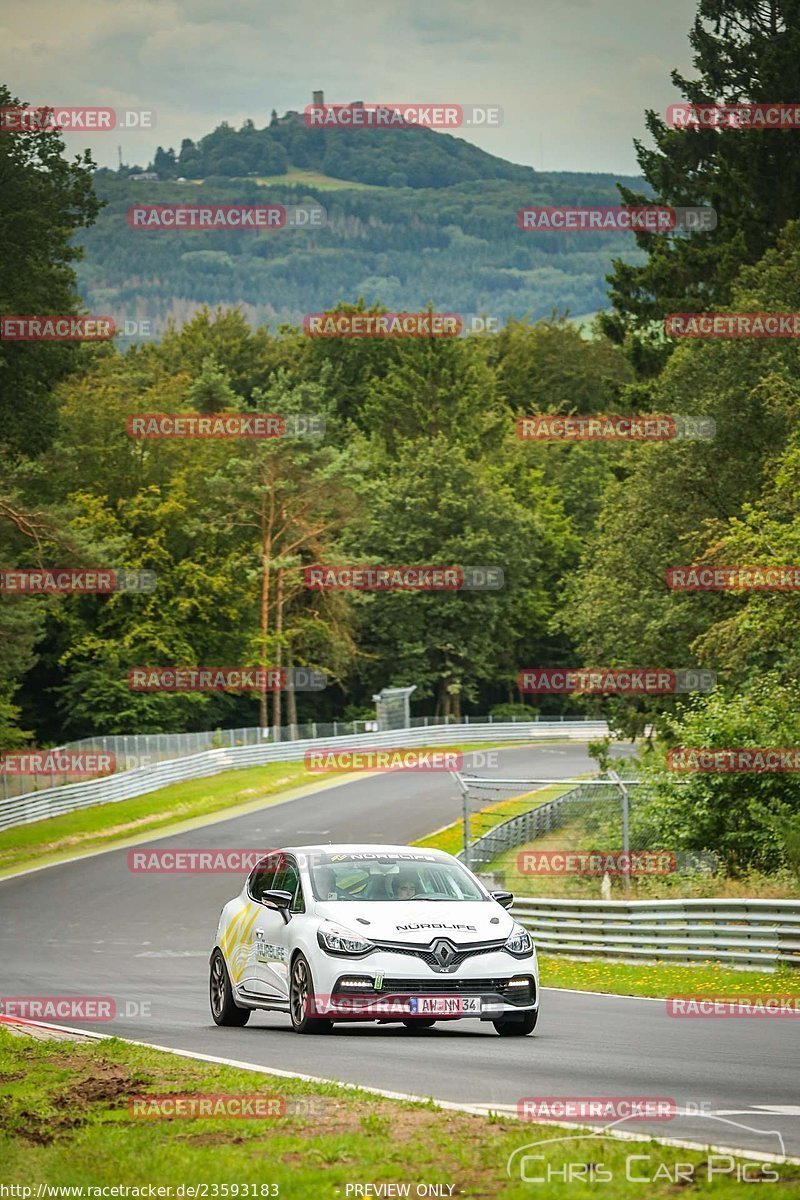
(372, 933)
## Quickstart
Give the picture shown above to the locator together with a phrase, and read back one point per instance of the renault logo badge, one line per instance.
(444, 952)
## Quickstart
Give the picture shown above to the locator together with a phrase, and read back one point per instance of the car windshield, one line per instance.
(373, 876)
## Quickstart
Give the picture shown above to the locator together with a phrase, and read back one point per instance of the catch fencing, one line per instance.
(35, 806)
(143, 749)
(743, 933)
(528, 826)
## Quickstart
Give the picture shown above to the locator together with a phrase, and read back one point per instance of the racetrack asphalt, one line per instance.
(91, 927)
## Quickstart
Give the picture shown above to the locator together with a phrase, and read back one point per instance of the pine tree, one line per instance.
(744, 51)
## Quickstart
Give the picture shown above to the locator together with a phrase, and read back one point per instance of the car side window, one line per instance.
(262, 880)
(287, 879)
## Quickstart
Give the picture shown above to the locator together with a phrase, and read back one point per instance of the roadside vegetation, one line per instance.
(662, 979)
(66, 1119)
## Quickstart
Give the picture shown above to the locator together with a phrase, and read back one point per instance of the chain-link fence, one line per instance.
(127, 751)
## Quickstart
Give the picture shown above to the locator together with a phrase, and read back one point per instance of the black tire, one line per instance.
(420, 1023)
(517, 1026)
(301, 986)
(224, 1008)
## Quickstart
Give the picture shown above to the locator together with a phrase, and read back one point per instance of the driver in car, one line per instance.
(326, 883)
(405, 886)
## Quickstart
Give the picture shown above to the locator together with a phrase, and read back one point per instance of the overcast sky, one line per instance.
(573, 77)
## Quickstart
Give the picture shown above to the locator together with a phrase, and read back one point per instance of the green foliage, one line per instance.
(600, 751)
(413, 157)
(743, 52)
(749, 818)
(727, 500)
(43, 200)
(507, 712)
(458, 247)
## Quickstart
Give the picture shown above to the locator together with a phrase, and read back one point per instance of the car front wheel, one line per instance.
(516, 1026)
(224, 1009)
(301, 994)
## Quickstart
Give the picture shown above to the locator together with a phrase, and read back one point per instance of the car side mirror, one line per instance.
(278, 899)
(505, 899)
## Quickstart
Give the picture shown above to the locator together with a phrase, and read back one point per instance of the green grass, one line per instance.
(91, 829)
(631, 979)
(65, 1120)
(316, 179)
(664, 979)
(302, 175)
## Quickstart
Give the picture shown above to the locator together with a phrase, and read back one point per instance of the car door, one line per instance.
(271, 931)
(250, 975)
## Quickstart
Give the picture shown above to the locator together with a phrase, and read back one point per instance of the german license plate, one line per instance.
(443, 1006)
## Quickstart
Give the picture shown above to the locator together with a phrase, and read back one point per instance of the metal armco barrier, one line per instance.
(742, 932)
(35, 806)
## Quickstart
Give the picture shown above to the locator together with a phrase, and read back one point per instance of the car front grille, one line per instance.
(430, 959)
(459, 987)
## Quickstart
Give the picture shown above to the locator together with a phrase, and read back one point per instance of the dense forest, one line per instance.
(420, 462)
(457, 247)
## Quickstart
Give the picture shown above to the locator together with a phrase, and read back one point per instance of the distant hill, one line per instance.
(446, 234)
(409, 156)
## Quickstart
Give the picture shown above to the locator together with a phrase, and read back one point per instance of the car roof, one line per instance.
(362, 848)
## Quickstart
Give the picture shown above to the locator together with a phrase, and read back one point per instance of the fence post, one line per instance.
(464, 789)
(626, 841)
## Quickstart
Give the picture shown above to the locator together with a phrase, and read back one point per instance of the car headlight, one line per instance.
(336, 940)
(519, 943)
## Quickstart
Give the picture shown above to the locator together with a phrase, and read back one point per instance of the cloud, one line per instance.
(573, 76)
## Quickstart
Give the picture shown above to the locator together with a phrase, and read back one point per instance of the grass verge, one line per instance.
(66, 1120)
(90, 829)
(664, 979)
(599, 975)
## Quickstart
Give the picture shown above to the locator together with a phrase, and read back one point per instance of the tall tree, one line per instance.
(283, 501)
(44, 199)
(680, 502)
(744, 51)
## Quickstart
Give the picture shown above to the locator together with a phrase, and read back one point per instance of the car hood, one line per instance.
(418, 923)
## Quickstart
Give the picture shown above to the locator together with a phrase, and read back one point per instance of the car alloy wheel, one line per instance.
(224, 1008)
(301, 991)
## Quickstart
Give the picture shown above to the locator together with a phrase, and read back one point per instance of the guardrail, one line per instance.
(144, 749)
(751, 933)
(35, 806)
